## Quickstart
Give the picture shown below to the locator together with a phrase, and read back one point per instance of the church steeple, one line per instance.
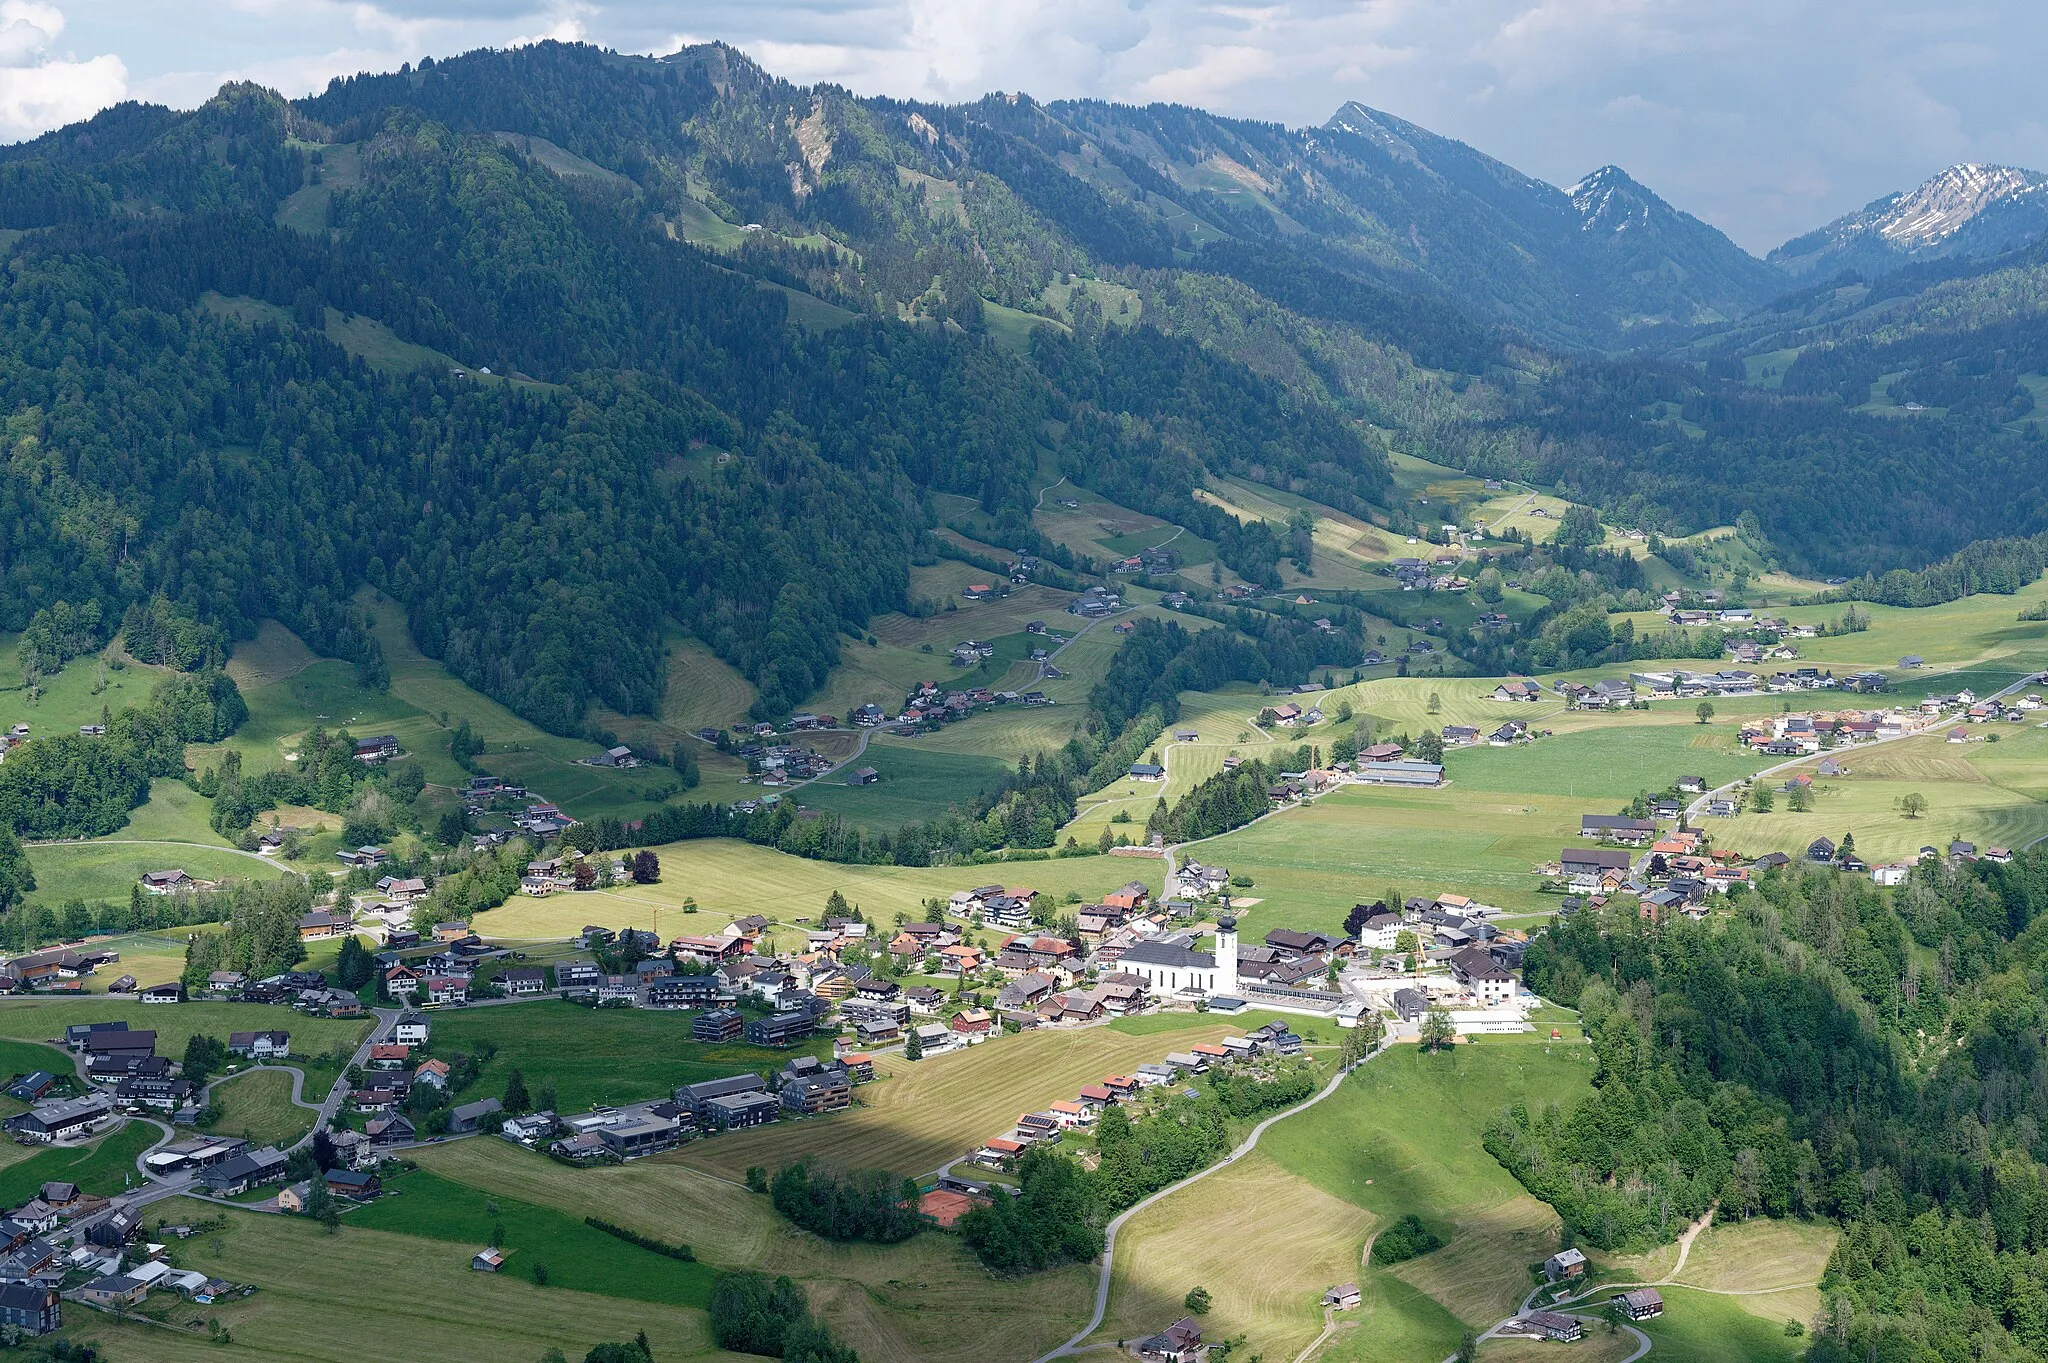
(1226, 954)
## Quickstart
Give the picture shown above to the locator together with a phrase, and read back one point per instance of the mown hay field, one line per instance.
(919, 1115)
(1265, 1243)
(1404, 1135)
(732, 878)
(927, 1299)
(1985, 792)
(1308, 866)
(331, 1299)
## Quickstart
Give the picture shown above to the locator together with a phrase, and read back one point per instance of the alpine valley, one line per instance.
(849, 620)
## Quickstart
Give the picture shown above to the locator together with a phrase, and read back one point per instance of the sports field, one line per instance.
(331, 1299)
(918, 1115)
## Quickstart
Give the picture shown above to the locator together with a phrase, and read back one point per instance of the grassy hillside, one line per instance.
(919, 1115)
(43, 1020)
(1403, 1136)
(927, 1299)
(594, 1057)
(734, 878)
(317, 1291)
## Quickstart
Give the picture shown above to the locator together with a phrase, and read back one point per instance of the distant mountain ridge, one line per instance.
(1969, 210)
(1612, 238)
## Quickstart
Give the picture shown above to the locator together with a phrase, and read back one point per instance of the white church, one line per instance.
(1169, 969)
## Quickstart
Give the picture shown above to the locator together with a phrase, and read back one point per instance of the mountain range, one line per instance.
(561, 348)
(1969, 210)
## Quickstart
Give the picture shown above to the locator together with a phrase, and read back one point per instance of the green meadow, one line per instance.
(597, 1057)
(570, 1255)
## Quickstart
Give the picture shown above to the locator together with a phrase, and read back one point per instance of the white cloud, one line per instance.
(40, 90)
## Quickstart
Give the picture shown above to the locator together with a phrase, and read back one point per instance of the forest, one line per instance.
(188, 452)
(1834, 1051)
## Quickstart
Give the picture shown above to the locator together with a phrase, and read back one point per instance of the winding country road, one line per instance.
(1074, 1344)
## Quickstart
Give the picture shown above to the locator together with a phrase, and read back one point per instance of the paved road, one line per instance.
(1073, 1345)
(330, 1106)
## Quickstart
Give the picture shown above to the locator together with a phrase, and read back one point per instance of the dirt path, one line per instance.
(153, 842)
(1685, 1239)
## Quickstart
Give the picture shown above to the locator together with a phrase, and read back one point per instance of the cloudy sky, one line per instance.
(1765, 117)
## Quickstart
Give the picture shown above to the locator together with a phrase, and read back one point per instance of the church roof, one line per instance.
(1166, 954)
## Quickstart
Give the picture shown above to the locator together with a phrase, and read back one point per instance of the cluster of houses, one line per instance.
(1081, 1111)
(780, 764)
(1437, 574)
(60, 970)
(805, 1086)
(64, 1234)
(929, 704)
(1095, 604)
(123, 1074)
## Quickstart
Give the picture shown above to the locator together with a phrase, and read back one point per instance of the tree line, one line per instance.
(1830, 1050)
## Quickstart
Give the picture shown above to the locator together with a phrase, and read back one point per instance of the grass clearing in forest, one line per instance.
(1706, 1327)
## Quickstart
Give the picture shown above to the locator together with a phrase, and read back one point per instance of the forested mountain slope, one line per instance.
(990, 296)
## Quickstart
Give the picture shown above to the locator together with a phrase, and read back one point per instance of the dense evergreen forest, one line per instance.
(187, 451)
(1834, 1050)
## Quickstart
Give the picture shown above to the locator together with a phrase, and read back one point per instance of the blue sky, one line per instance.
(1765, 117)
